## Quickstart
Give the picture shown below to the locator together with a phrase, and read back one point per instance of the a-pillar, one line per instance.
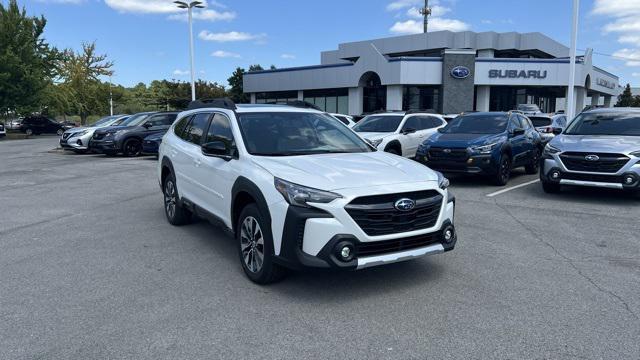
(394, 97)
(355, 101)
(483, 95)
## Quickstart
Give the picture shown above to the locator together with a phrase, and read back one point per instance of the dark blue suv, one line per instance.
(488, 143)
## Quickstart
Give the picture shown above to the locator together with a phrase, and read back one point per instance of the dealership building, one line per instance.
(449, 72)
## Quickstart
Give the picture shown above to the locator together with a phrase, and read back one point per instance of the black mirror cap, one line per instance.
(147, 125)
(217, 149)
(408, 131)
(518, 132)
(557, 131)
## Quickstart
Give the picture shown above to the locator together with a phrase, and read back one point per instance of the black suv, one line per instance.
(36, 125)
(487, 143)
(128, 137)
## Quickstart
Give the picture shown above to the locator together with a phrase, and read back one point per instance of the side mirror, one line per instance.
(557, 131)
(147, 125)
(217, 149)
(441, 130)
(518, 132)
(408, 131)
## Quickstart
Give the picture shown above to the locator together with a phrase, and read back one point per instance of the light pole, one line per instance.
(571, 106)
(189, 7)
(426, 12)
(110, 96)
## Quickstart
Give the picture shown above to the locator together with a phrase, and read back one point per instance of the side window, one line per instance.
(220, 130)
(181, 126)
(343, 120)
(412, 123)
(197, 127)
(429, 122)
(562, 121)
(514, 123)
(524, 122)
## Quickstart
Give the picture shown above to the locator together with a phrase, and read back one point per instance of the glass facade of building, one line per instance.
(421, 98)
(329, 100)
(276, 97)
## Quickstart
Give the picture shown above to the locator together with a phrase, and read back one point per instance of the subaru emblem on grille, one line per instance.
(592, 157)
(405, 204)
(447, 151)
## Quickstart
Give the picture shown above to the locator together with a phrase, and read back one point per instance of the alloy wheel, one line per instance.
(505, 169)
(132, 148)
(170, 198)
(252, 244)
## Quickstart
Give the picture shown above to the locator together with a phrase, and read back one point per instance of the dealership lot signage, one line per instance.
(460, 72)
(518, 74)
(606, 83)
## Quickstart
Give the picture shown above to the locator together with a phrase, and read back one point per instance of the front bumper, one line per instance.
(103, 145)
(313, 238)
(554, 171)
(474, 164)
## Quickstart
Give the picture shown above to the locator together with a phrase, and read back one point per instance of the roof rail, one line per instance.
(421, 111)
(224, 103)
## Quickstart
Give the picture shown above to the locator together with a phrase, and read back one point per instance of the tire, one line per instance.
(176, 214)
(534, 166)
(393, 151)
(60, 132)
(503, 173)
(132, 148)
(255, 248)
(550, 188)
(28, 132)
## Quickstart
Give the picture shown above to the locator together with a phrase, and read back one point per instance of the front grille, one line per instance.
(377, 215)
(65, 136)
(446, 154)
(593, 177)
(396, 245)
(608, 163)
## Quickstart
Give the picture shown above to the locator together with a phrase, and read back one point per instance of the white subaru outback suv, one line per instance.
(300, 190)
(399, 133)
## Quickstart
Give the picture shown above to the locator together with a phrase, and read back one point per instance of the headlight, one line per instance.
(376, 143)
(298, 195)
(443, 182)
(550, 150)
(484, 149)
(80, 133)
(109, 134)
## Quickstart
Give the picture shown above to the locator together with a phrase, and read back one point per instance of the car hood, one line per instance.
(462, 140)
(597, 143)
(332, 172)
(374, 135)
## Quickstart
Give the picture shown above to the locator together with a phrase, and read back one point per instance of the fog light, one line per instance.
(555, 175)
(345, 252)
(449, 234)
(628, 180)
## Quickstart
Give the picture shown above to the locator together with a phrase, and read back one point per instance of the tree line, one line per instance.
(36, 77)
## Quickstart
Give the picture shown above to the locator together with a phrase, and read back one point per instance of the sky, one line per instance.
(149, 40)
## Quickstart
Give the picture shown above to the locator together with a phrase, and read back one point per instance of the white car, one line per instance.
(399, 133)
(3, 131)
(345, 119)
(299, 190)
(77, 139)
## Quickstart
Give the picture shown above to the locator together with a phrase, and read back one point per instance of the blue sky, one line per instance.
(148, 39)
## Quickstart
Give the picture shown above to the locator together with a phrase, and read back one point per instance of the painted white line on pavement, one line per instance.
(512, 188)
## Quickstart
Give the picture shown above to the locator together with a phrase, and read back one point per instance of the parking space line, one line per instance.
(512, 188)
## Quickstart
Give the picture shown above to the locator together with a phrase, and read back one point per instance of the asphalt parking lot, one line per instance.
(91, 270)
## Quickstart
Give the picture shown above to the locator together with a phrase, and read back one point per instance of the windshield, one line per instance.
(135, 120)
(379, 123)
(103, 121)
(477, 124)
(119, 121)
(613, 123)
(540, 121)
(528, 107)
(295, 133)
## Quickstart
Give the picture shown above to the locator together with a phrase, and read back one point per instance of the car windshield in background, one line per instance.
(295, 133)
(477, 124)
(540, 121)
(614, 123)
(528, 108)
(120, 121)
(378, 123)
(135, 120)
(104, 120)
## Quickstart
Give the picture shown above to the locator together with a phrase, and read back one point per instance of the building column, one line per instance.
(355, 101)
(483, 94)
(581, 96)
(595, 99)
(253, 98)
(394, 97)
(607, 101)
(300, 95)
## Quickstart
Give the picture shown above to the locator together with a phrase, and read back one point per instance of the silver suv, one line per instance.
(599, 148)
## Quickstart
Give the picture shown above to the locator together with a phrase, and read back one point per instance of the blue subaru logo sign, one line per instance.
(460, 72)
(405, 204)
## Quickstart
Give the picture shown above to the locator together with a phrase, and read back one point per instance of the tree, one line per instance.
(626, 99)
(26, 60)
(236, 87)
(80, 72)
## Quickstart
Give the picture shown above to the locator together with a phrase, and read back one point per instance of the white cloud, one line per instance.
(178, 72)
(436, 11)
(206, 14)
(629, 39)
(635, 74)
(288, 56)
(616, 8)
(225, 54)
(153, 6)
(435, 24)
(631, 56)
(229, 36)
(624, 25)
(402, 4)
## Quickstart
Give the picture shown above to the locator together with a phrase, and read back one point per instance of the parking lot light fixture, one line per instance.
(189, 6)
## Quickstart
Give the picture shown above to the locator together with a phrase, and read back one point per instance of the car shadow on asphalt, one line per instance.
(324, 285)
(588, 196)
(469, 181)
